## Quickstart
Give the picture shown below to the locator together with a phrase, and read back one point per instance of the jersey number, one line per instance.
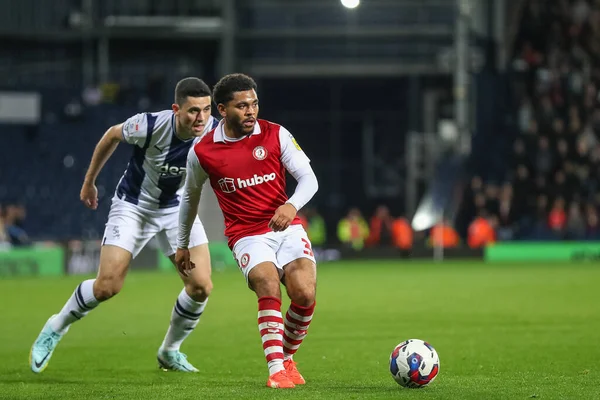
(307, 250)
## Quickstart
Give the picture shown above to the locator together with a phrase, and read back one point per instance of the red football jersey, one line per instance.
(248, 175)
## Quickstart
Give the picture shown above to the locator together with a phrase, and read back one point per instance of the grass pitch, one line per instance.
(502, 332)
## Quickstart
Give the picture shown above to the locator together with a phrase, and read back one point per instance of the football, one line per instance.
(414, 363)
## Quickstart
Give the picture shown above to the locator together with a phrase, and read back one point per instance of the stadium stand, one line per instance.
(550, 188)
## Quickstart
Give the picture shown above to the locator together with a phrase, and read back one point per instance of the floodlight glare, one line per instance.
(350, 3)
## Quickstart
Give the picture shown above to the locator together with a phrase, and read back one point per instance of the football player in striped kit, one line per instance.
(145, 205)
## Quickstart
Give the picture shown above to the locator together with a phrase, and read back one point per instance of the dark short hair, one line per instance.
(190, 87)
(229, 84)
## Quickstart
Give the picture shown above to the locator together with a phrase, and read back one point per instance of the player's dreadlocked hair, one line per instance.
(229, 84)
(190, 87)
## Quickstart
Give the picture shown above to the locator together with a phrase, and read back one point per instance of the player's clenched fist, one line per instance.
(283, 217)
(183, 262)
(89, 195)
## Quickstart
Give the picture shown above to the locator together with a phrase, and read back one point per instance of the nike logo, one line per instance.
(158, 148)
(39, 364)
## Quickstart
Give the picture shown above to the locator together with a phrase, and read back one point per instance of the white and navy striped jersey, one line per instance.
(155, 174)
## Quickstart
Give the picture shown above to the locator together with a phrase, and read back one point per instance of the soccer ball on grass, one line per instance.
(414, 363)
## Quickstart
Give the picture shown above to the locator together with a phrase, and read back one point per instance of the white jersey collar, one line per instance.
(219, 135)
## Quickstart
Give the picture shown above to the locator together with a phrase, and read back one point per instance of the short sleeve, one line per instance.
(292, 155)
(135, 129)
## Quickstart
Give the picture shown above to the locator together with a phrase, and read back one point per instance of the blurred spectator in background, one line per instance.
(4, 239)
(402, 234)
(508, 214)
(575, 223)
(544, 158)
(557, 220)
(473, 199)
(444, 235)
(92, 95)
(554, 164)
(317, 232)
(592, 229)
(540, 220)
(381, 228)
(520, 157)
(481, 232)
(73, 111)
(353, 230)
(15, 215)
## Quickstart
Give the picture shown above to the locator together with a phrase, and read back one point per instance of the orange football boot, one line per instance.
(292, 372)
(280, 380)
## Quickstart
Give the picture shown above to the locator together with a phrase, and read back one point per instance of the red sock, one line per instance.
(297, 320)
(270, 325)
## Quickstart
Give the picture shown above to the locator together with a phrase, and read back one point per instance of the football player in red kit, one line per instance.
(245, 159)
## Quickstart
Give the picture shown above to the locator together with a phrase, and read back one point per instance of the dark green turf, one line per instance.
(502, 332)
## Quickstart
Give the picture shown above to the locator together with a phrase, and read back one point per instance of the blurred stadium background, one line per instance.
(479, 117)
(491, 106)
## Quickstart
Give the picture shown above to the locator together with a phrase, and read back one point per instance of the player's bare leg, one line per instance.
(114, 262)
(186, 313)
(301, 285)
(198, 285)
(264, 280)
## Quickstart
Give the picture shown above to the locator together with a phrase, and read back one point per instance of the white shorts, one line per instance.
(280, 248)
(131, 228)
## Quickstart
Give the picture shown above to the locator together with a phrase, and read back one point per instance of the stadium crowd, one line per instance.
(552, 185)
(552, 188)
(12, 232)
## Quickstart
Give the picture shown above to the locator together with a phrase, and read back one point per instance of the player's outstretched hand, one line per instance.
(183, 262)
(89, 195)
(283, 217)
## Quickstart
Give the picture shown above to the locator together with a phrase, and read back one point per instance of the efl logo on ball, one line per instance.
(414, 363)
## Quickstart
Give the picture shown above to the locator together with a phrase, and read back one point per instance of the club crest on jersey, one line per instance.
(260, 153)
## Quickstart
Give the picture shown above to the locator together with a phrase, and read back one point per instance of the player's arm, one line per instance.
(297, 164)
(133, 131)
(104, 149)
(188, 209)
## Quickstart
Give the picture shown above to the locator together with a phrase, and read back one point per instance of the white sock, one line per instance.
(81, 302)
(184, 318)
